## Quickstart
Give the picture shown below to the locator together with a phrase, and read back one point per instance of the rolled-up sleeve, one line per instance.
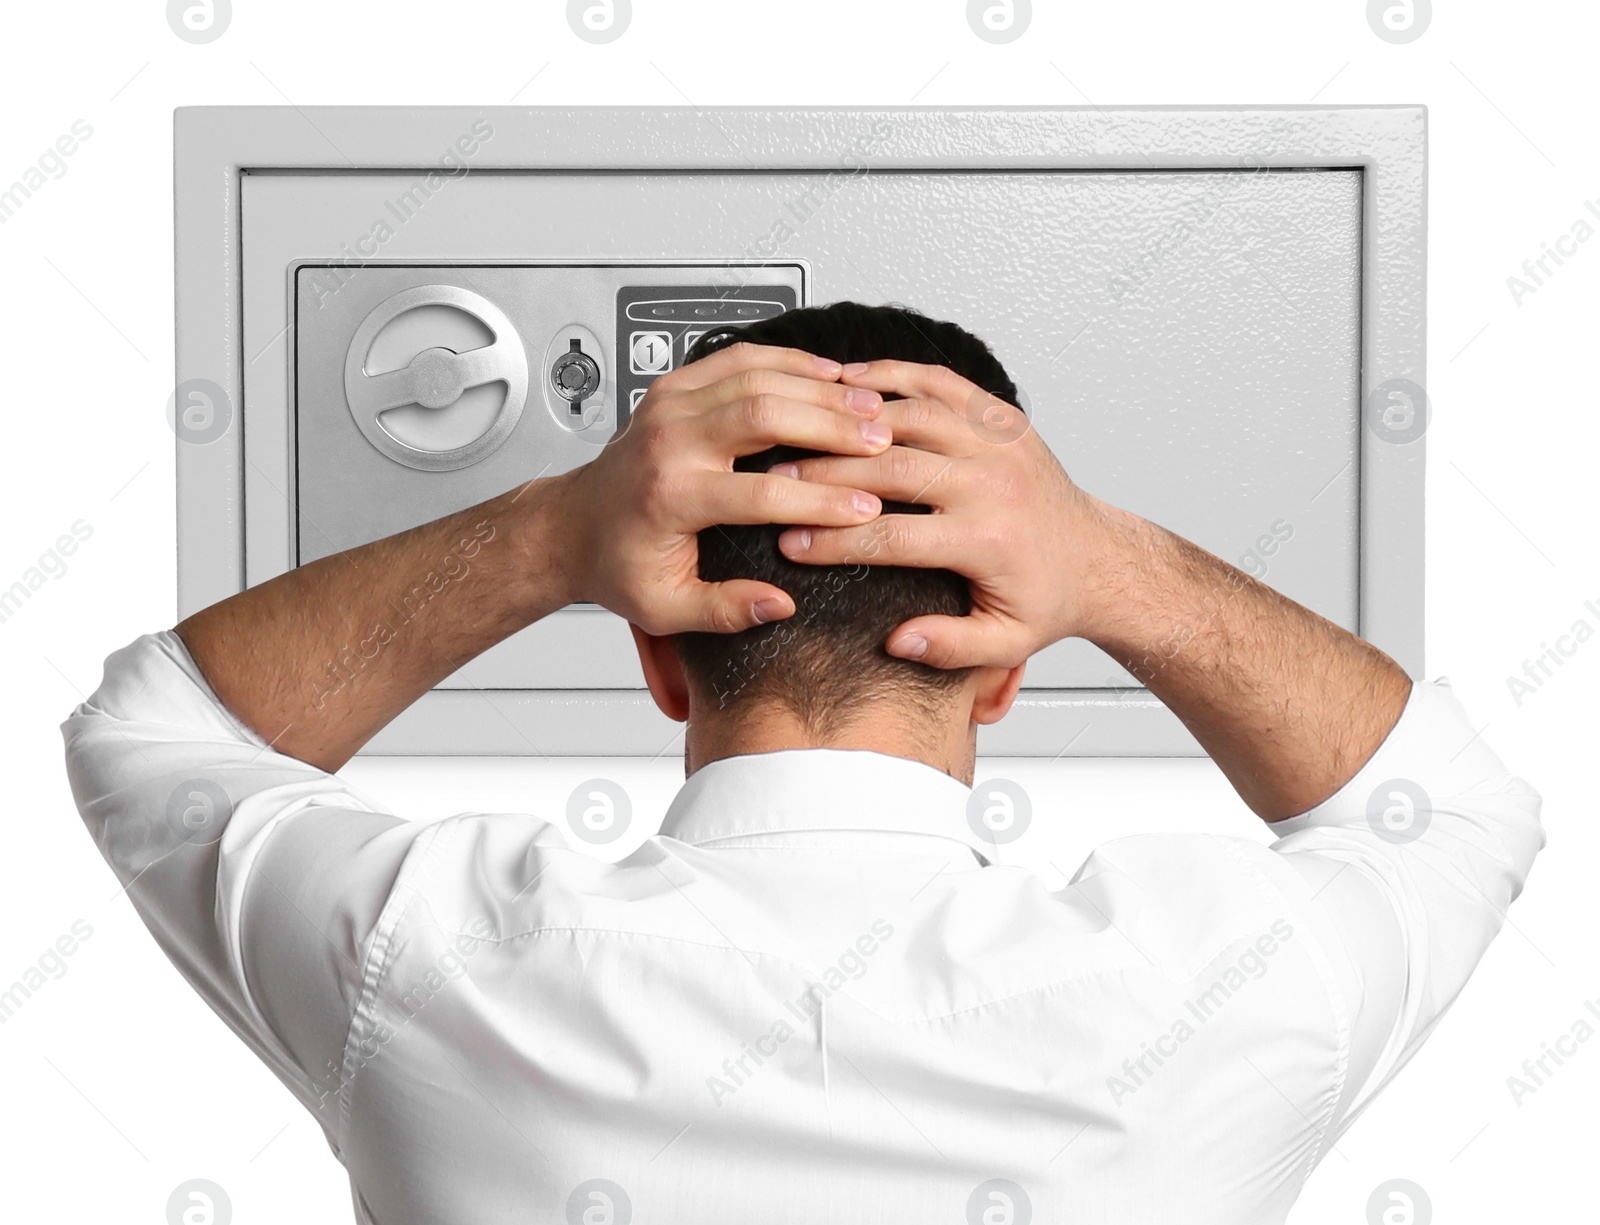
(262, 878)
(1408, 872)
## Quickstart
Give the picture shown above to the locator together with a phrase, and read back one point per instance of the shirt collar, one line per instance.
(776, 796)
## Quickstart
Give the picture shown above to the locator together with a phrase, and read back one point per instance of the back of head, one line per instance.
(827, 662)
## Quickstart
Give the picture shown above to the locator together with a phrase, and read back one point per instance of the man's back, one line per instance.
(812, 997)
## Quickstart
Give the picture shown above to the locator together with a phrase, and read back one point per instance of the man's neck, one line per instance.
(881, 727)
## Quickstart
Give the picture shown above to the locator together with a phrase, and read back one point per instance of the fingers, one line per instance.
(757, 382)
(928, 541)
(748, 497)
(980, 640)
(745, 356)
(940, 411)
(901, 474)
(932, 425)
(745, 427)
(726, 608)
(912, 380)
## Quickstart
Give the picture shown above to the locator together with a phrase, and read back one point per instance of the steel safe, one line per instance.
(386, 314)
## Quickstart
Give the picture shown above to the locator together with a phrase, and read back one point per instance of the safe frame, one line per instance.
(214, 147)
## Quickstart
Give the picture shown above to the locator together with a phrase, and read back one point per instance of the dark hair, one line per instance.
(822, 662)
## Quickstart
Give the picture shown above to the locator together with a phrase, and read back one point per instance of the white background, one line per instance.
(120, 1084)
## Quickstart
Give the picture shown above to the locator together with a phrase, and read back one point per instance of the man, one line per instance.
(812, 997)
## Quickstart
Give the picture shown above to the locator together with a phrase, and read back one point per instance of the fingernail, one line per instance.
(856, 368)
(770, 609)
(862, 400)
(827, 366)
(864, 503)
(875, 432)
(796, 540)
(785, 470)
(912, 646)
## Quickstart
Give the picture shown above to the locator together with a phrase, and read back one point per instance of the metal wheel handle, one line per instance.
(436, 378)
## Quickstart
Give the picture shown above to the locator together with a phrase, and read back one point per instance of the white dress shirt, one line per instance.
(811, 998)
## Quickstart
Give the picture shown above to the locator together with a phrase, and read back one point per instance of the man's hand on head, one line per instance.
(319, 658)
(1005, 515)
(1287, 703)
(633, 516)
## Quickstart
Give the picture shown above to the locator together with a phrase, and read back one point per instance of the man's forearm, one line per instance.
(317, 660)
(1288, 704)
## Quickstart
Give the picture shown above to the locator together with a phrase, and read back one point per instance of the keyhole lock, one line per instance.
(575, 376)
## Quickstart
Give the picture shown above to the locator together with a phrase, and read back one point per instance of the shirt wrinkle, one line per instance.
(598, 1012)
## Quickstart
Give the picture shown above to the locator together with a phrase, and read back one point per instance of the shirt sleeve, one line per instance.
(1406, 873)
(263, 878)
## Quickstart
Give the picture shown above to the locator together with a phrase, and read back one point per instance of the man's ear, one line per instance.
(996, 691)
(663, 672)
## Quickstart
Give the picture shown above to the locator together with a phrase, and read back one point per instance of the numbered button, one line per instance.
(650, 352)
